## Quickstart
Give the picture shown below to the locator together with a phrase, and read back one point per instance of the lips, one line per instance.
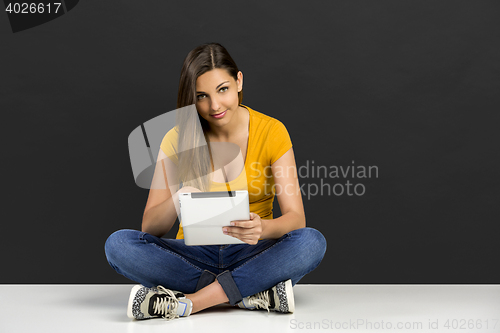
(219, 115)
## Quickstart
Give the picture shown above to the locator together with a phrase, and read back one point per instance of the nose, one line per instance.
(215, 103)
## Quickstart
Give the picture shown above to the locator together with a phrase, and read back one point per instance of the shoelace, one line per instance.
(261, 299)
(167, 306)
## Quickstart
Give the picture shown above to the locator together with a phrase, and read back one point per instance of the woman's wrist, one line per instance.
(264, 226)
(275, 228)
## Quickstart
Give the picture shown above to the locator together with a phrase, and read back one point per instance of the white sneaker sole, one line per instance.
(289, 294)
(131, 300)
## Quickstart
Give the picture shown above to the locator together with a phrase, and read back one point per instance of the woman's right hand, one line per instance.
(188, 189)
(184, 189)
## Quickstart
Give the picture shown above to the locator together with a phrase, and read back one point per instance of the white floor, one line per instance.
(333, 308)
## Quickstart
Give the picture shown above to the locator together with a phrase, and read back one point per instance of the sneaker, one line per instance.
(145, 303)
(279, 298)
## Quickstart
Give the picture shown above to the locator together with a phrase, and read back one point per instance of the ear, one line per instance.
(239, 81)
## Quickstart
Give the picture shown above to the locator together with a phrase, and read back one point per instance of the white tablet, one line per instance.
(203, 214)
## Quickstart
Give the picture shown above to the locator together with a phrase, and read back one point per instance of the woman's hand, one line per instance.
(247, 231)
(185, 189)
(175, 197)
(188, 189)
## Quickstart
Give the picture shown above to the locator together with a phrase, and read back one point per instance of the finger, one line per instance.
(232, 231)
(252, 240)
(239, 231)
(241, 236)
(243, 224)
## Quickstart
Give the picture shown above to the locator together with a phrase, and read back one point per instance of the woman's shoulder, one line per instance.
(170, 141)
(173, 133)
(270, 135)
(262, 121)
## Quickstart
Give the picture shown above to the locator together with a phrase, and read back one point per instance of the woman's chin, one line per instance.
(225, 119)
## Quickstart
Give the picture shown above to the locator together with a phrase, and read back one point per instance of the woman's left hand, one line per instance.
(247, 231)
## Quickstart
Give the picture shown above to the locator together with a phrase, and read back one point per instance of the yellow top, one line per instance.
(268, 140)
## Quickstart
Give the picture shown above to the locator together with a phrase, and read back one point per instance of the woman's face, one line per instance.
(217, 96)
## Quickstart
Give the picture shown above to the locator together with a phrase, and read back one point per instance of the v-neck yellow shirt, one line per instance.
(268, 140)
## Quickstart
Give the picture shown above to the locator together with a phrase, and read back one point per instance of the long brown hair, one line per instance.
(194, 159)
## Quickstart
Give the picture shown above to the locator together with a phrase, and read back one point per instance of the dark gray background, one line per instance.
(411, 87)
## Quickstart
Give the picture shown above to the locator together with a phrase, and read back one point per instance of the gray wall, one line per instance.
(408, 87)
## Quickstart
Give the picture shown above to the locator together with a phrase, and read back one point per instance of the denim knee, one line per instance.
(312, 245)
(116, 243)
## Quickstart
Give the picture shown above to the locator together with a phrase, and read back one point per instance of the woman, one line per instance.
(276, 253)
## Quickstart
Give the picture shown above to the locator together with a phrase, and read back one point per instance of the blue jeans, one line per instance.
(241, 269)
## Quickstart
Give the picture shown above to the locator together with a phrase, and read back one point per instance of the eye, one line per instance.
(223, 89)
(199, 97)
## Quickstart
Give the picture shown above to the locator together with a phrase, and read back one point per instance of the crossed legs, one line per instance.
(212, 275)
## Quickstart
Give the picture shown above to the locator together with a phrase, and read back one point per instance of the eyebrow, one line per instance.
(202, 92)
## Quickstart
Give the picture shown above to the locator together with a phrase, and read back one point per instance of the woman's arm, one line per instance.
(161, 208)
(289, 198)
(159, 214)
